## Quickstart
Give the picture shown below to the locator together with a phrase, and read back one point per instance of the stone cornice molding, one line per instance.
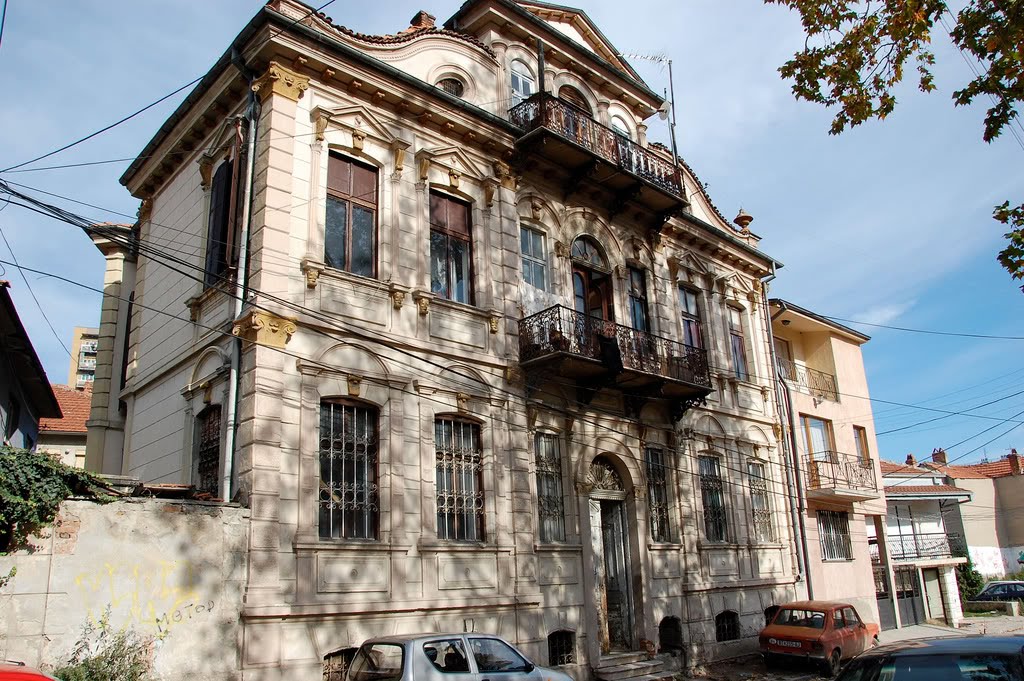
(280, 80)
(313, 369)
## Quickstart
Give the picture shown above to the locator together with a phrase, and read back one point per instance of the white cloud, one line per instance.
(884, 313)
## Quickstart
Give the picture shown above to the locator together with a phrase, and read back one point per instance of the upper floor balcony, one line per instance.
(600, 354)
(840, 477)
(918, 546)
(819, 383)
(569, 137)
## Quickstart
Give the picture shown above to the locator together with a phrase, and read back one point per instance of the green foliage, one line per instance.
(856, 53)
(103, 654)
(6, 579)
(32, 487)
(968, 580)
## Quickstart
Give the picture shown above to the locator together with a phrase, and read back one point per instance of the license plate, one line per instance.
(785, 644)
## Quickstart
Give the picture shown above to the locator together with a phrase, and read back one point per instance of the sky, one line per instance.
(889, 223)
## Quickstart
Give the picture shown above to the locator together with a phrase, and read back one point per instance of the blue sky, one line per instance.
(888, 223)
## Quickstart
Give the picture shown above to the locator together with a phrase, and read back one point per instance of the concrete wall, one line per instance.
(70, 447)
(171, 571)
(1010, 504)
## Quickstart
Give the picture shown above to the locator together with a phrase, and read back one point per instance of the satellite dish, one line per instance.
(663, 110)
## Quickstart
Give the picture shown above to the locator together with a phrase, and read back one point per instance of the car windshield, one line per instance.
(377, 662)
(964, 667)
(798, 617)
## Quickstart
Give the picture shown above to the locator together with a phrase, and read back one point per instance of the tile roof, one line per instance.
(959, 472)
(892, 467)
(942, 490)
(994, 469)
(75, 405)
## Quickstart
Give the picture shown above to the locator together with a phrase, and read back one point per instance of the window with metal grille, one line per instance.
(460, 495)
(550, 495)
(535, 259)
(561, 648)
(727, 626)
(206, 471)
(834, 533)
(759, 505)
(690, 312)
(350, 237)
(336, 664)
(712, 492)
(452, 86)
(349, 507)
(657, 494)
(451, 250)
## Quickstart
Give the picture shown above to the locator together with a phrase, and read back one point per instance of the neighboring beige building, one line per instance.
(66, 436)
(831, 434)
(84, 342)
(503, 365)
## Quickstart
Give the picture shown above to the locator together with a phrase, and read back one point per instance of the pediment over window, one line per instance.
(453, 158)
(356, 118)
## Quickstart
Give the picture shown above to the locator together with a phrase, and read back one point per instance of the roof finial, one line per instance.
(743, 219)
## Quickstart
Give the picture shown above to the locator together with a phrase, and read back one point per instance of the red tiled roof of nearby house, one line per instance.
(994, 469)
(944, 490)
(958, 472)
(75, 405)
(891, 467)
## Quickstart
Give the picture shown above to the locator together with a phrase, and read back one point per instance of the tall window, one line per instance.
(460, 492)
(350, 241)
(860, 437)
(727, 626)
(819, 438)
(834, 534)
(522, 82)
(638, 299)
(218, 226)
(349, 506)
(206, 470)
(759, 507)
(657, 492)
(737, 345)
(690, 311)
(712, 491)
(550, 499)
(784, 358)
(620, 126)
(535, 261)
(575, 97)
(450, 249)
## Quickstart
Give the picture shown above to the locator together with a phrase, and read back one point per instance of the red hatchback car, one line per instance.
(19, 672)
(826, 632)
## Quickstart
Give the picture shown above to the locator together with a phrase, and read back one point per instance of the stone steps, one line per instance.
(631, 667)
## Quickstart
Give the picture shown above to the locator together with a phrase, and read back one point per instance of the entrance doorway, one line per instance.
(617, 578)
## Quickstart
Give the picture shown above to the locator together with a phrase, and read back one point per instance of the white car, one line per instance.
(445, 657)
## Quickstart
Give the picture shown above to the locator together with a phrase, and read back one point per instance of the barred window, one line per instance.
(336, 664)
(834, 533)
(206, 471)
(349, 506)
(452, 86)
(759, 506)
(727, 626)
(561, 648)
(550, 499)
(657, 492)
(712, 491)
(460, 495)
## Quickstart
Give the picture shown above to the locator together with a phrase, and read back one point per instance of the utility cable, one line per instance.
(33, 293)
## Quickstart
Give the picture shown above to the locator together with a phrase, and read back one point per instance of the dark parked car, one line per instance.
(1001, 591)
(967, 658)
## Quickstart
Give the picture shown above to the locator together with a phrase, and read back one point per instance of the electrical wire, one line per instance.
(3, 21)
(33, 293)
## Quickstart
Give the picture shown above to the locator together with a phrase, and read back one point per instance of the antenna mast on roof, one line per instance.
(670, 113)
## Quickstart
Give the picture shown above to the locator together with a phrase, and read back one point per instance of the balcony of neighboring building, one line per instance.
(820, 384)
(836, 476)
(567, 135)
(915, 547)
(88, 347)
(596, 354)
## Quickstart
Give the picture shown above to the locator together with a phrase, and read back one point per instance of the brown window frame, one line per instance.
(348, 196)
(689, 317)
(860, 439)
(442, 225)
(207, 450)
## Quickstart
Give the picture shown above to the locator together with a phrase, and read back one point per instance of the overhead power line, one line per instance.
(927, 331)
(33, 293)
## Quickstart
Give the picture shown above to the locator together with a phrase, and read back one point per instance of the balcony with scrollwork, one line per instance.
(819, 383)
(599, 354)
(840, 477)
(571, 139)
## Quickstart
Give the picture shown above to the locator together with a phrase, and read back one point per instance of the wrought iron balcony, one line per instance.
(923, 546)
(571, 138)
(597, 354)
(839, 476)
(817, 382)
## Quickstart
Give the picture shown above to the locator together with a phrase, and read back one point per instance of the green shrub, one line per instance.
(103, 654)
(968, 579)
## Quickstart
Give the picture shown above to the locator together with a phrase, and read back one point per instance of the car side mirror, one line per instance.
(529, 667)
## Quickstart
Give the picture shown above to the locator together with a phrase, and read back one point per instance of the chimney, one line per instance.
(939, 456)
(911, 461)
(1014, 459)
(422, 19)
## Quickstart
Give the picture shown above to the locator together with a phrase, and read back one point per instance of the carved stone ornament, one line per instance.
(490, 189)
(312, 271)
(603, 475)
(561, 249)
(777, 430)
(503, 172)
(398, 150)
(453, 178)
(205, 171)
(424, 168)
(264, 328)
(422, 299)
(536, 207)
(358, 139)
(397, 299)
(321, 126)
(354, 385)
(462, 400)
(146, 210)
(195, 306)
(280, 80)
(492, 322)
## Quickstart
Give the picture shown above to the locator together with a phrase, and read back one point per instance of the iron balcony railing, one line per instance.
(560, 329)
(923, 545)
(818, 382)
(836, 470)
(543, 110)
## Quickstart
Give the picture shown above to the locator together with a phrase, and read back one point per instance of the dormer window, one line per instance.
(452, 86)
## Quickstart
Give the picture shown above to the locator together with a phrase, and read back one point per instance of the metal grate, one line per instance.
(348, 471)
(834, 533)
(550, 501)
(460, 496)
(336, 664)
(727, 626)
(759, 503)
(657, 493)
(208, 451)
(561, 648)
(452, 86)
(712, 491)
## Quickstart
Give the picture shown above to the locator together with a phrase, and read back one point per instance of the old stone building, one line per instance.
(501, 364)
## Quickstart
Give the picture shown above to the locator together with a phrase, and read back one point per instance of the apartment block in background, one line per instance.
(84, 344)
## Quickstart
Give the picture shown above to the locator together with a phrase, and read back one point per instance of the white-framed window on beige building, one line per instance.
(550, 491)
(459, 479)
(349, 495)
(834, 535)
(350, 238)
(738, 344)
(620, 126)
(451, 249)
(712, 492)
(523, 84)
(206, 462)
(533, 244)
(760, 507)
(657, 494)
(689, 310)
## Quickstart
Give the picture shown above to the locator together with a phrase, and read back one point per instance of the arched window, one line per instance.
(670, 636)
(727, 626)
(206, 469)
(452, 86)
(561, 648)
(349, 507)
(586, 251)
(620, 126)
(523, 84)
(575, 97)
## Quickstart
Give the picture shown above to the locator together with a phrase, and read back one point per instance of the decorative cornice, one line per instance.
(264, 328)
(312, 269)
(280, 80)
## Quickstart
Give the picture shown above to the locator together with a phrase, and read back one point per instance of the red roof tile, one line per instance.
(994, 469)
(891, 467)
(959, 472)
(75, 405)
(896, 490)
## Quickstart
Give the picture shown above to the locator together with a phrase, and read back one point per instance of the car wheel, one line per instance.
(770, 662)
(831, 666)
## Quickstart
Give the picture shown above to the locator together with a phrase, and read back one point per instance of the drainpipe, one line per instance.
(241, 284)
(797, 502)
